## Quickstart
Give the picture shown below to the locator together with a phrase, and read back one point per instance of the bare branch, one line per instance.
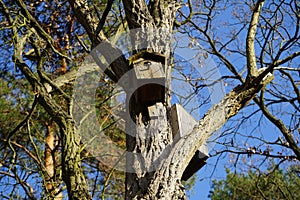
(266, 154)
(279, 124)
(287, 68)
(24, 121)
(217, 53)
(39, 29)
(189, 17)
(286, 59)
(104, 16)
(28, 152)
(295, 87)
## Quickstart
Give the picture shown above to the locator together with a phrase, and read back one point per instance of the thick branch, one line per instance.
(216, 117)
(250, 48)
(85, 17)
(104, 16)
(286, 59)
(119, 66)
(42, 95)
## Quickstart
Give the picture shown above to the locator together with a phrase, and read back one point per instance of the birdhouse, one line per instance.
(149, 71)
(182, 123)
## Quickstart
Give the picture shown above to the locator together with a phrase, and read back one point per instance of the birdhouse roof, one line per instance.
(147, 55)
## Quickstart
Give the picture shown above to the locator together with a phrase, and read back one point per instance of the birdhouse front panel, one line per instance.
(150, 77)
(147, 69)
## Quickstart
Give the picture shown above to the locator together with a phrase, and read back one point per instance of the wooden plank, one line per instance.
(182, 120)
(182, 123)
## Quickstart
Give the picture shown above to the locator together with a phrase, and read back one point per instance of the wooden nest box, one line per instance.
(149, 71)
(182, 123)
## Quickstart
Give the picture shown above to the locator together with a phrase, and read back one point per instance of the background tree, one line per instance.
(274, 184)
(35, 165)
(43, 43)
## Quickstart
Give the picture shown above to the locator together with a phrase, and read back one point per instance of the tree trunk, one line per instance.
(51, 185)
(151, 136)
(49, 160)
(149, 146)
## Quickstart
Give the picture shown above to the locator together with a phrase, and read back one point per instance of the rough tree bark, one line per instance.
(151, 135)
(71, 162)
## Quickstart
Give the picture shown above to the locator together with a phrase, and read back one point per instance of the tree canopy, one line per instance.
(274, 184)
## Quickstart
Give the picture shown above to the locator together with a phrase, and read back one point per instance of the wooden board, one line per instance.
(182, 123)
